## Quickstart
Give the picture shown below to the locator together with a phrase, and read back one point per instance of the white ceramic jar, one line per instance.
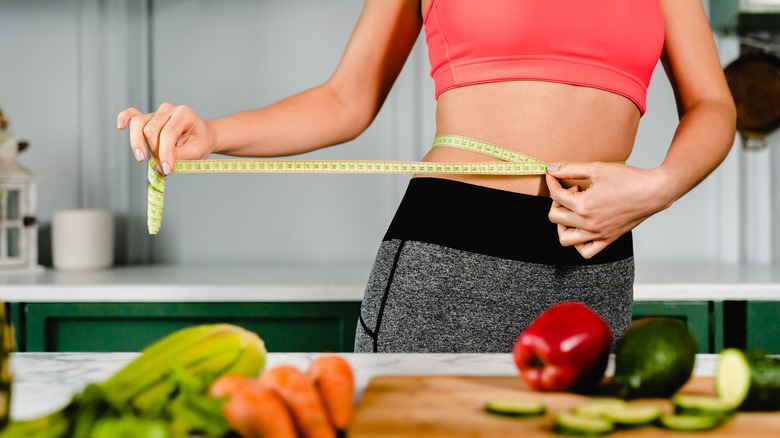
(82, 239)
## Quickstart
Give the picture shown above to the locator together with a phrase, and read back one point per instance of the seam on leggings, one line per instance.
(386, 294)
(368, 331)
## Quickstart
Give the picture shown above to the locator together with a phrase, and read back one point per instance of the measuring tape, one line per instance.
(513, 163)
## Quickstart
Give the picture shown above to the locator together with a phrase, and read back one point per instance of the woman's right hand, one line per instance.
(173, 132)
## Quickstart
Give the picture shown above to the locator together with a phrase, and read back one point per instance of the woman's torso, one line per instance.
(551, 121)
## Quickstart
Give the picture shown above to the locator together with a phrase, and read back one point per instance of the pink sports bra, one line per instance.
(608, 44)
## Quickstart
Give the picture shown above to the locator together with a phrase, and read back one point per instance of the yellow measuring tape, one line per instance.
(514, 163)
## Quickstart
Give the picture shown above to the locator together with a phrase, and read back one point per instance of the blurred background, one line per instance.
(68, 67)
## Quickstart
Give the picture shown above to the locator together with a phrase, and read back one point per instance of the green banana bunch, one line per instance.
(144, 387)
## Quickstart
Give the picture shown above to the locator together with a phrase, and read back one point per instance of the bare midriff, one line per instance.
(550, 121)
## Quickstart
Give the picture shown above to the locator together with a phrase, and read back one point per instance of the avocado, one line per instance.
(653, 358)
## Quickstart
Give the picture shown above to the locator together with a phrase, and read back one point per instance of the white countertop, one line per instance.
(268, 283)
(44, 382)
(163, 283)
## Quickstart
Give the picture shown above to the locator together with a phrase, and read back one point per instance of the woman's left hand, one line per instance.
(615, 199)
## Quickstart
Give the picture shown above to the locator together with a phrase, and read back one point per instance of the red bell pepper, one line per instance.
(565, 348)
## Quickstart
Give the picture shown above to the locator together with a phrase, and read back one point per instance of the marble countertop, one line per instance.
(269, 283)
(44, 382)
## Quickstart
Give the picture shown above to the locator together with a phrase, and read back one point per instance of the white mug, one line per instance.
(82, 239)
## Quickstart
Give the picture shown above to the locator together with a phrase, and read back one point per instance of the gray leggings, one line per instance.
(422, 297)
(433, 290)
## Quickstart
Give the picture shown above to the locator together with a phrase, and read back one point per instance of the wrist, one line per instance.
(664, 186)
(214, 140)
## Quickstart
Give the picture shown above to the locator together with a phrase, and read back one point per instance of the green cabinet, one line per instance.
(329, 326)
(722, 324)
(102, 327)
(762, 325)
(697, 315)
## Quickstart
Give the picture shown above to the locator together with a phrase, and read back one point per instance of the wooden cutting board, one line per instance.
(453, 406)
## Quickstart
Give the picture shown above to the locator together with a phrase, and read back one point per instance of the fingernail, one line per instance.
(553, 168)
(158, 170)
(120, 123)
(139, 155)
(166, 168)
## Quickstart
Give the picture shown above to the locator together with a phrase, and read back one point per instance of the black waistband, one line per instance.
(488, 221)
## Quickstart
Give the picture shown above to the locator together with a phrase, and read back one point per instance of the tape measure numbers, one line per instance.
(513, 164)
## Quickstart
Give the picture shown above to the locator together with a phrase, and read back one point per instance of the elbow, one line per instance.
(730, 117)
(729, 109)
(355, 112)
(721, 111)
(725, 115)
(356, 122)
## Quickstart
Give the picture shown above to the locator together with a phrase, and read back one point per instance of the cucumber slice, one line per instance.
(748, 380)
(620, 413)
(635, 417)
(599, 407)
(567, 423)
(515, 408)
(732, 377)
(701, 405)
(689, 423)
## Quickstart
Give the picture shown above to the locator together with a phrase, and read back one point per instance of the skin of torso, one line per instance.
(553, 122)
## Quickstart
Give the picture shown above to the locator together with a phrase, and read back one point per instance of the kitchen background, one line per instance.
(67, 67)
(288, 255)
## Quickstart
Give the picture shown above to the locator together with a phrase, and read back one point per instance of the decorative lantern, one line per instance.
(18, 203)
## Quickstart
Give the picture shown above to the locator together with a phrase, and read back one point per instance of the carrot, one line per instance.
(256, 411)
(333, 378)
(228, 384)
(302, 399)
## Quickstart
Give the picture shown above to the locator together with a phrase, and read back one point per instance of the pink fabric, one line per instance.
(608, 44)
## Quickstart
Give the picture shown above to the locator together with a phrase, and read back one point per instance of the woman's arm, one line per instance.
(621, 197)
(334, 112)
(704, 103)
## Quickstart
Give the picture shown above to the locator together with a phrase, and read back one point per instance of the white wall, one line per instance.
(39, 92)
(67, 68)
(245, 54)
